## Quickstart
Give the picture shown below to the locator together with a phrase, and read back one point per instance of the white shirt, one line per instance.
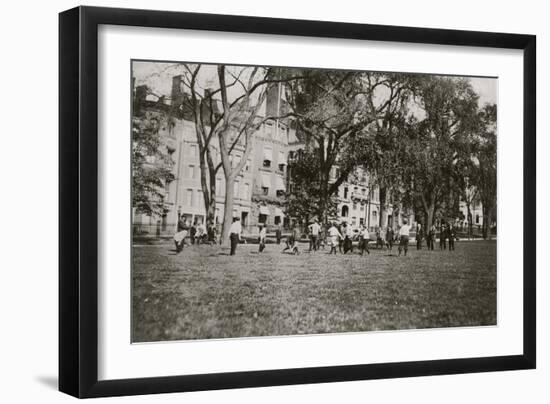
(405, 230)
(262, 233)
(235, 228)
(314, 229)
(333, 231)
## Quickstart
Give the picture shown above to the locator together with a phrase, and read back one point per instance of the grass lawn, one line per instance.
(205, 293)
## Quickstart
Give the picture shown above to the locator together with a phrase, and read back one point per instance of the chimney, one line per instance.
(177, 91)
(272, 102)
(141, 93)
(206, 105)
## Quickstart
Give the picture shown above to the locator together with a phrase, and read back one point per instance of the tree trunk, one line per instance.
(208, 187)
(228, 210)
(324, 174)
(469, 219)
(383, 220)
(430, 217)
(485, 224)
(489, 222)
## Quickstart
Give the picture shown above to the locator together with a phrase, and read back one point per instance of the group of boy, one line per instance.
(198, 233)
(336, 236)
(447, 233)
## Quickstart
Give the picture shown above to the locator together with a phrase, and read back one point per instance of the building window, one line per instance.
(200, 200)
(190, 197)
(268, 156)
(345, 211)
(354, 206)
(277, 220)
(361, 221)
(282, 161)
(354, 221)
(262, 219)
(266, 183)
(247, 165)
(280, 193)
(236, 189)
(191, 172)
(246, 191)
(236, 160)
(193, 150)
(477, 219)
(346, 193)
(269, 128)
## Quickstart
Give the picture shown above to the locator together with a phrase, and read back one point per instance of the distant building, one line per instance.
(359, 203)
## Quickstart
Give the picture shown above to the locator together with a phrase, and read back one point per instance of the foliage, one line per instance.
(485, 172)
(437, 144)
(332, 117)
(303, 201)
(151, 164)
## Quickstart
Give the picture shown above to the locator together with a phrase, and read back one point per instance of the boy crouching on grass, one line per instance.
(292, 241)
(181, 232)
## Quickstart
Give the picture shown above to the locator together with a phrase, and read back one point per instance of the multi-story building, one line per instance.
(259, 189)
(270, 162)
(476, 210)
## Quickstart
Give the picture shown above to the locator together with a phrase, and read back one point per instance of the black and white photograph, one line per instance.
(278, 201)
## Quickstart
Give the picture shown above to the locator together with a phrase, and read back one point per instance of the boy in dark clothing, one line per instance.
(390, 237)
(443, 237)
(452, 235)
(192, 232)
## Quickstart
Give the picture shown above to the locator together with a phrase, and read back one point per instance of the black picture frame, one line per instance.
(78, 201)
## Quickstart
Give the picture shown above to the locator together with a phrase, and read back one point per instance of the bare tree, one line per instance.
(227, 113)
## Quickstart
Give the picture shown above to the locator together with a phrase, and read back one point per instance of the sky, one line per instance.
(158, 76)
(486, 88)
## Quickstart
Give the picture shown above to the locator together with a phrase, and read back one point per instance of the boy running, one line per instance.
(334, 237)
